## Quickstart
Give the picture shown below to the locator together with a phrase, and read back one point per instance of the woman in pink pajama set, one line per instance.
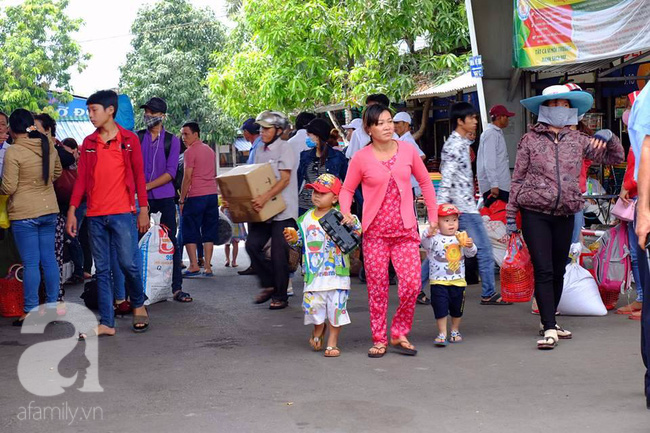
(384, 170)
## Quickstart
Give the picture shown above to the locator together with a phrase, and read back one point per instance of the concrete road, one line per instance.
(222, 364)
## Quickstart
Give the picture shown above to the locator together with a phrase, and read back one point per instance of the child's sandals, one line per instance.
(332, 352)
(441, 340)
(315, 342)
(455, 337)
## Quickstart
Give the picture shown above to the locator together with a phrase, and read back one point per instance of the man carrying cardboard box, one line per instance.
(274, 275)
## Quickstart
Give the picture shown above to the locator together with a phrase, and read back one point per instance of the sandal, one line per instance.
(122, 308)
(455, 337)
(494, 300)
(315, 342)
(264, 295)
(402, 348)
(140, 323)
(422, 299)
(441, 340)
(379, 351)
(278, 305)
(332, 352)
(549, 341)
(562, 333)
(182, 296)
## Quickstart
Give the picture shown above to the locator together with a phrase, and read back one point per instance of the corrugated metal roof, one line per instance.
(74, 127)
(574, 68)
(462, 82)
(242, 145)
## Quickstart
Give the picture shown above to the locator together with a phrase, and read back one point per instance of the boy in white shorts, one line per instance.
(327, 269)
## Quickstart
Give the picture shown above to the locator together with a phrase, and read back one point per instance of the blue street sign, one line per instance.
(476, 66)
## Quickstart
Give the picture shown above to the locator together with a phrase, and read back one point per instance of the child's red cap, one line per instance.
(326, 183)
(447, 209)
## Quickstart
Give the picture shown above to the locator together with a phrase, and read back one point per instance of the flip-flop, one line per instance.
(227, 265)
(381, 351)
(494, 300)
(187, 274)
(207, 274)
(403, 350)
(235, 266)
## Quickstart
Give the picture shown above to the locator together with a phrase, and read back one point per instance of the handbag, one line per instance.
(624, 211)
(517, 281)
(4, 215)
(64, 185)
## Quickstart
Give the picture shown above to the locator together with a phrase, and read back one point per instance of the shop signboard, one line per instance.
(554, 32)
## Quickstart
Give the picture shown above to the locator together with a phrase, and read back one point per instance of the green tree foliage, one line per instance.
(171, 56)
(37, 53)
(297, 54)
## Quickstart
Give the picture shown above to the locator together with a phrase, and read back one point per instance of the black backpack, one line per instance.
(178, 180)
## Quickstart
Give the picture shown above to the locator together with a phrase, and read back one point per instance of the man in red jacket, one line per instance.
(110, 174)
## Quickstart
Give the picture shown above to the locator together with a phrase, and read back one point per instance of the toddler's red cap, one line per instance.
(447, 209)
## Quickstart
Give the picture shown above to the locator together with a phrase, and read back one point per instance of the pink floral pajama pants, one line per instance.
(404, 252)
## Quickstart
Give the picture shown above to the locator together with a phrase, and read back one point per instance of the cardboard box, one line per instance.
(241, 184)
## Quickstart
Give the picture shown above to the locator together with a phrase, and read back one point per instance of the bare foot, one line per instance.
(97, 332)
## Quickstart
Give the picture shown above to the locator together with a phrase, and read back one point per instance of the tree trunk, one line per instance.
(336, 124)
(425, 117)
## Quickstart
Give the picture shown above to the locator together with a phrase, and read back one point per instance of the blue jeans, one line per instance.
(35, 241)
(578, 223)
(77, 257)
(116, 233)
(76, 252)
(472, 223)
(425, 274)
(634, 241)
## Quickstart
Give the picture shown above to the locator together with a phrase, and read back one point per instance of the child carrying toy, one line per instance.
(327, 269)
(447, 251)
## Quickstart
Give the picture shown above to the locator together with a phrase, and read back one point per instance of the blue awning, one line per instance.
(74, 127)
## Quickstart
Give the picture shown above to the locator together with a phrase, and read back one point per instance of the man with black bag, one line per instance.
(160, 152)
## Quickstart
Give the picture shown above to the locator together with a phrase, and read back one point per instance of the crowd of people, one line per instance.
(122, 177)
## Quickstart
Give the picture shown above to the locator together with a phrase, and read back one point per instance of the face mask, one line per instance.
(310, 143)
(151, 121)
(558, 116)
(626, 116)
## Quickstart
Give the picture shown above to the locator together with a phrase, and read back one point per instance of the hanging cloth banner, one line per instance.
(554, 32)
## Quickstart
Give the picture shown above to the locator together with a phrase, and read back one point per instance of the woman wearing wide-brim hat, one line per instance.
(546, 189)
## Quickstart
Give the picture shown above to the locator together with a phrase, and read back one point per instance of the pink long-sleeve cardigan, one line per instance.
(366, 169)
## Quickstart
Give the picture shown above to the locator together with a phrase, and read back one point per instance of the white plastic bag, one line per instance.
(580, 296)
(496, 231)
(157, 252)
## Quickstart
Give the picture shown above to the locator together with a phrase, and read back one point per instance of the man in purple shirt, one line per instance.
(160, 151)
